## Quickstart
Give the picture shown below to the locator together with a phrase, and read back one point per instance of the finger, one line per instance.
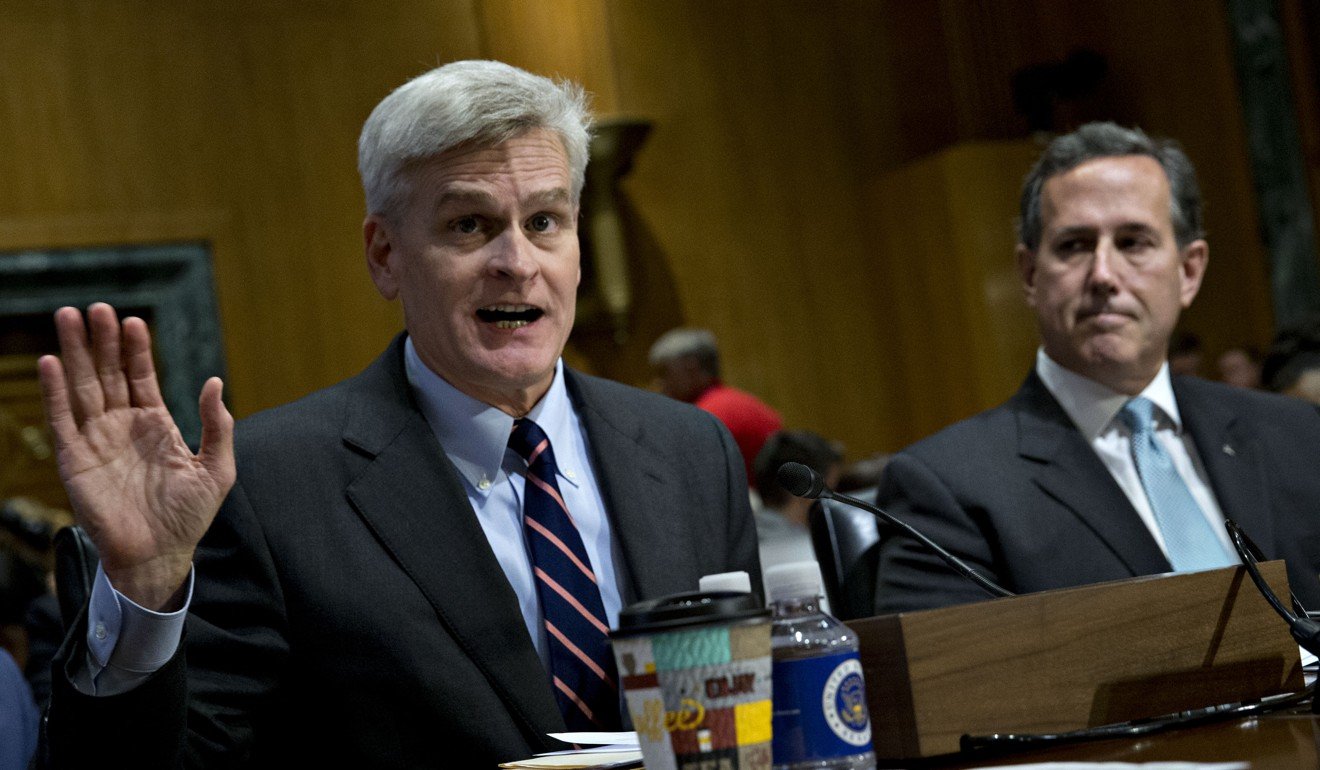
(143, 386)
(85, 395)
(55, 398)
(105, 354)
(217, 450)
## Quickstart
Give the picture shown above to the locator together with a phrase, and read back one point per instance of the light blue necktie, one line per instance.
(1191, 543)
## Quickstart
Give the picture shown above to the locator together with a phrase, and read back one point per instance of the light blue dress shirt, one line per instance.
(127, 643)
(475, 436)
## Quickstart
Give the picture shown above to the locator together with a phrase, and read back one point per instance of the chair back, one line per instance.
(847, 545)
(75, 569)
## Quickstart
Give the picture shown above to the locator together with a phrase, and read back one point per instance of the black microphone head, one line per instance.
(800, 480)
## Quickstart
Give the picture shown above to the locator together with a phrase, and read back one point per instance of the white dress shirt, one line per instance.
(126, 643)
(1094, 410)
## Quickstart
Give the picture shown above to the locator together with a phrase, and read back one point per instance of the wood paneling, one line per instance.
(965, 336)
(752, 188)
(233, 123)
(1301, 27)
(27, 453)
(749, 209)
(775, 120)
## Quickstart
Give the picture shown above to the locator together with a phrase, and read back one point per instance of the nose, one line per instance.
(1104, 263)
(513, 255)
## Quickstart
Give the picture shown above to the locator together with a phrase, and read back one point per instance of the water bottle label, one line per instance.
(820, 709)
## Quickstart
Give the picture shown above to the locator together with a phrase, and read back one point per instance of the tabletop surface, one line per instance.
(1288, 740)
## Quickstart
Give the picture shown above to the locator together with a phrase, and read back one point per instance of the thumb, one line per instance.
(217, 450)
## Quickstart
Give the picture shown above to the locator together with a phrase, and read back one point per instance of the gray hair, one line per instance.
(1107, 140)
(678, 343)
(466, 102)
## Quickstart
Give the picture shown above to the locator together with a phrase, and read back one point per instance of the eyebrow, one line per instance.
(475, 195)
(1072, 232)
(1091, 230)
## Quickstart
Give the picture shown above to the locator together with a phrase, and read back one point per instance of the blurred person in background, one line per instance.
(1292, 364)
(687, 367)
(1239, 367)
(1186, 354)
(781, 519)
(18, 716)
(860, 478)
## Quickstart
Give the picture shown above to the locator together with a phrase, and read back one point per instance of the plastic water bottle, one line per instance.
(820, 718)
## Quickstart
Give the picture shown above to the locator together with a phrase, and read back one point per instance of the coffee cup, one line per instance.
(695, 669)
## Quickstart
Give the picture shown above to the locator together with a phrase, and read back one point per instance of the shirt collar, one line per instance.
(475, 434)
(1093, 406)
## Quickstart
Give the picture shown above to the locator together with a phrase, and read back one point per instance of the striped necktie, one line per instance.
(1188, 537)
(581, 663)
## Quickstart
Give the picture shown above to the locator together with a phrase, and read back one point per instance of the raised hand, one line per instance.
(139, 492)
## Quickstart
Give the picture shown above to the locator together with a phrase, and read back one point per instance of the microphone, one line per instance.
(1305, 630)
(801, 481)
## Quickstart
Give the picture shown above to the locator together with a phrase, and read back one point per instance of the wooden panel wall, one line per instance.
(748, 209)
(773, 121)
(231, 123)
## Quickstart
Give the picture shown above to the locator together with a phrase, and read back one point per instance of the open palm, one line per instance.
(142, 496)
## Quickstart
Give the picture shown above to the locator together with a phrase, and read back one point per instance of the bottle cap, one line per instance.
(726, 581)
(794, 580)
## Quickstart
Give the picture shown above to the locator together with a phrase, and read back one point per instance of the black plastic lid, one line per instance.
(693, 608)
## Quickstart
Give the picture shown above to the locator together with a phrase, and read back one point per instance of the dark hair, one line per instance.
(1109, 140)
(791, 446)
(1185, 342)
(1294, 351)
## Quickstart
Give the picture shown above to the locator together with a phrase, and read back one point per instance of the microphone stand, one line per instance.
(960, 566)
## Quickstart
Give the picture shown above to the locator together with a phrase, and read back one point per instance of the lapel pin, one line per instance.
(1228, 450)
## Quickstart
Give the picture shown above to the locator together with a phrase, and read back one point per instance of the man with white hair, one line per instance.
(687, 367)
(417, 566)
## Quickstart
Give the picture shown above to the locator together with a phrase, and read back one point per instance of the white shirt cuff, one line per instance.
(124, 635)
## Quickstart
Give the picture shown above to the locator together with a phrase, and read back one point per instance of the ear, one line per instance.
(577, 241)
(1195, 259)
(382, 261)
(1026, 265)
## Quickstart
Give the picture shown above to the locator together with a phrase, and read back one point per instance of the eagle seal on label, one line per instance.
(844, 704)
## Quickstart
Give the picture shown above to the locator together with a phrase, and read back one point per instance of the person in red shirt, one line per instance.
(687, 365)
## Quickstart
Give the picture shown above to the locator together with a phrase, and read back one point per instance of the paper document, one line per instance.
(590, 760)
(597, 739)
(601, 751)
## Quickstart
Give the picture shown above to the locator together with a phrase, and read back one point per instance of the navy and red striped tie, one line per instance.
(581, 663)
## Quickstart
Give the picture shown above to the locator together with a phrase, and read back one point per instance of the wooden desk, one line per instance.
(1279, 741)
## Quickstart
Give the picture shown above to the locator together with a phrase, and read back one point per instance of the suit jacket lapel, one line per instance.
(1072, 474)
(1232, 457)
(636, 482)
(411, 497)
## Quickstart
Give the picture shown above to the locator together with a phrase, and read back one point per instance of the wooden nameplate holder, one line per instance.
(1074, 658)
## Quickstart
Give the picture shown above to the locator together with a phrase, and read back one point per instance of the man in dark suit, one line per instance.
(379, 587)
(1102, 466)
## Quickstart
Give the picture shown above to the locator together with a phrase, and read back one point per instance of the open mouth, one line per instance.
(509, 316)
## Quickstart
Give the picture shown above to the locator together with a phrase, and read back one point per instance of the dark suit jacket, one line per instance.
(349, 610)
(1020, 494)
